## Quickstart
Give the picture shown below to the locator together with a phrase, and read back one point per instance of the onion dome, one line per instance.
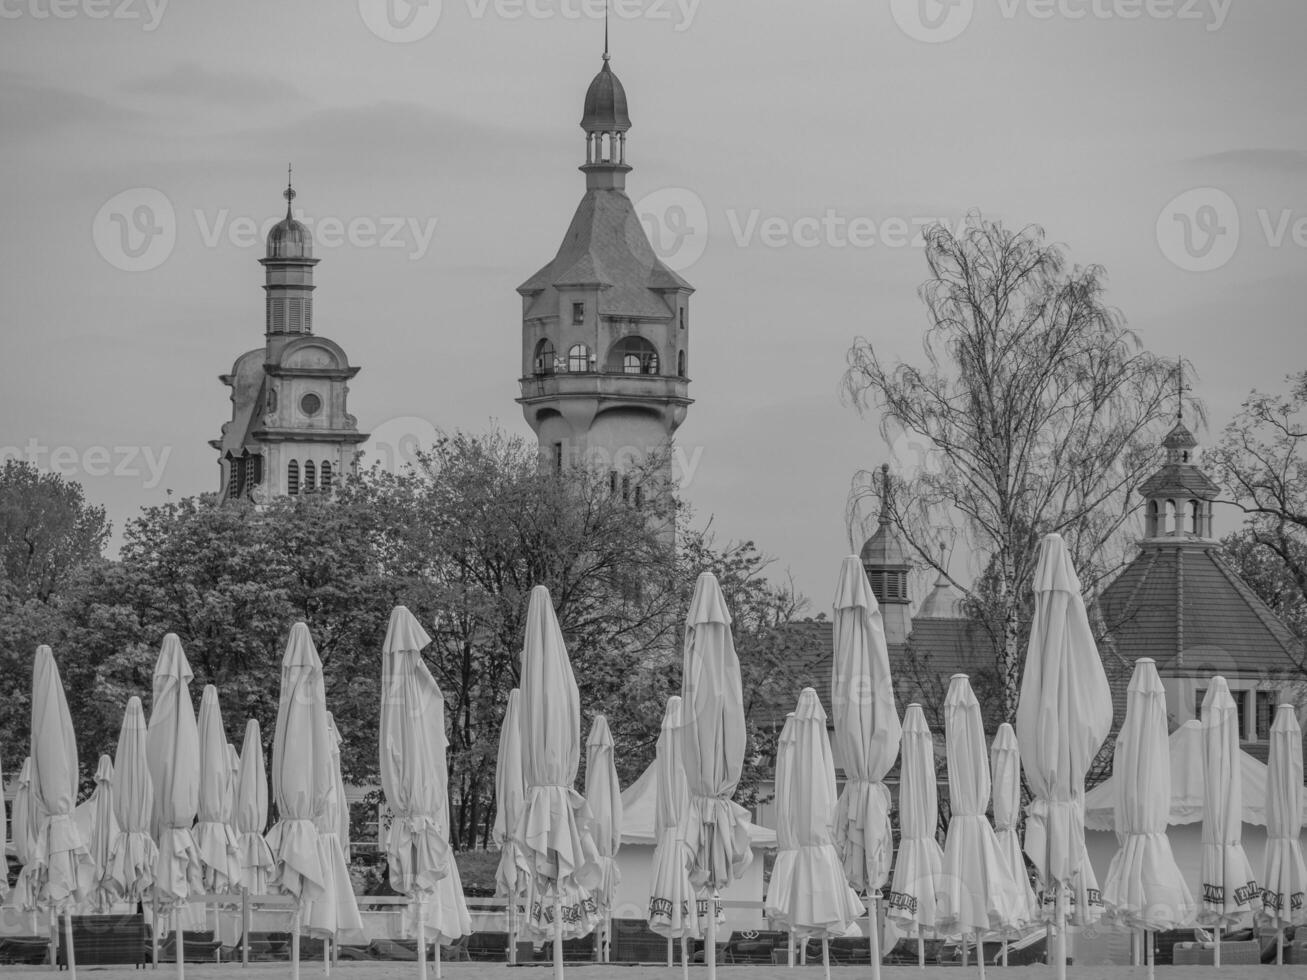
(289, 239)
(605, 104)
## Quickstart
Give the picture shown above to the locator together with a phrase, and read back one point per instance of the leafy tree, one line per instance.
(1038, 411)
(1262, 462)
(47, 530)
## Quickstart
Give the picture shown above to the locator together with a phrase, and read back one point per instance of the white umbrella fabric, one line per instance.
(24, 829)
(978, 894)
(62, 873)
(867, 734)
(414, 777)
(603, 797)
(510, 796)
(1284, 886)
(104, 832)
(1144, 887)
(558, 852)
(1230, 893)
(816, 900)
(249, 820)
(1005, 771)
(172, 748)
(134, 855)
(214, 838)
(714, 734)
(336, 911)
(780, 886)
(302, 779)
(673, 900)
(1064, 714)
(918, 874)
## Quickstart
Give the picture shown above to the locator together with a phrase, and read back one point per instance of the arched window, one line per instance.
(680, 364)
(612, 482)
(310, 477)
(324, 476)
(1196, 517)
(1172, 519)
(626, 489)
(544, 358)
(293, 478)
(233, 476)
(1150, 530)
(578, 359)
(633, 355)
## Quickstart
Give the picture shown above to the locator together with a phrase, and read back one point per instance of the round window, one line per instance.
(310, 404)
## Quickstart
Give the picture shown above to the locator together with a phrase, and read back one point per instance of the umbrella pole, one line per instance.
(789, 946)
(154, 931)
(825, 956)
(181, 942)
(422, 939)
(710, 954)
(669, 952)
(1279, 947)
(1059, 920)
(873, 931)
(245, 927)
(1216, 957)
(1148, 954)
(685, 957)
(921, 950)
(295, 945)
(1005, 945)
(68, 938)
(52, 932)
(980, 953)
(558, 929)
(326, 956)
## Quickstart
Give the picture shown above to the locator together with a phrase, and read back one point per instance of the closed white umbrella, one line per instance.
(510, 796)
(24, 830)
(62, 872)
(1005, 771)
(818, 902)
(1145, 889)
(302, 779)
(714, 735)
(249, 820)
(867, 735)
(1284, 886)
(336, 911)
(214, 838)
(978, 893)
(104, 832)
(920, 867)
(781, 884)
(134, 855)
(414, 778)
(1064, 714)
(234, 774)
(1230, 893)
(558, 850)
(172, 747)
(603, 796)
(673, 900)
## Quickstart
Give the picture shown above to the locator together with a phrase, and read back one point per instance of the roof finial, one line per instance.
(607, 7)
(886, 494)
(289, 192)
(1179, 408)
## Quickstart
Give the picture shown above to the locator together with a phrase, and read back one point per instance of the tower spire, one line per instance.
(1179, 407)
(289, 192)
(886, 494)
(607, 7)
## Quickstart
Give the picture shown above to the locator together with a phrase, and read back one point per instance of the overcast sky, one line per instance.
(143, 147)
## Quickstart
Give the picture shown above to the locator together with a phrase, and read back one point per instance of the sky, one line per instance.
(785, 153)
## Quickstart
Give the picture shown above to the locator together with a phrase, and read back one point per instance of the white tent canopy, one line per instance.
(639, 801)
(1186, 744)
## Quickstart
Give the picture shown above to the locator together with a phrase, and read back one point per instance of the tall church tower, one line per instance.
(290, 432)
(605, 325)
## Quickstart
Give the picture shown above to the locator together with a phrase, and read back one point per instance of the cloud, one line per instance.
(1272, 159)
(30, 108)
(192, 82)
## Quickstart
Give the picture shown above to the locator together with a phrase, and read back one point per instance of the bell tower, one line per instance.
(605, 324)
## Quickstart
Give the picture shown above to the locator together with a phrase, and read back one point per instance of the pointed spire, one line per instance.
(289, 192)
(1181, 389)
(607, 8)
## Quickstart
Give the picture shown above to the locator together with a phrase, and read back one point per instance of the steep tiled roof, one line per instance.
(606, 245)
(1183, 605)
(1179, 479)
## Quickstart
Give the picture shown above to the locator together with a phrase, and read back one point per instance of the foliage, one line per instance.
(1036, 411)
(47, 530)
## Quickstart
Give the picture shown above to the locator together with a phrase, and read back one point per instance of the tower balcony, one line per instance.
(605, 391)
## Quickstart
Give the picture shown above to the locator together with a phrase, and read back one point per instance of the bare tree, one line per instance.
(1040, 412)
